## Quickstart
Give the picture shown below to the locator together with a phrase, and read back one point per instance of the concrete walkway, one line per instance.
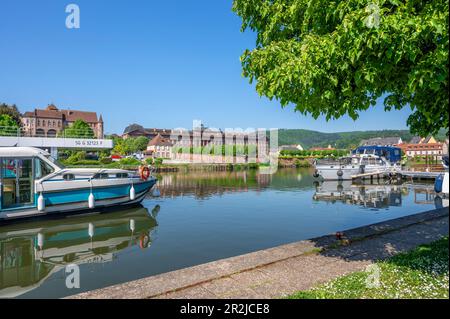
(283, 270)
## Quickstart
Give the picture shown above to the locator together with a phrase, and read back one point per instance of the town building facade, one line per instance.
(423, 147)
(159, 147)
(51, 121)
(199, 137)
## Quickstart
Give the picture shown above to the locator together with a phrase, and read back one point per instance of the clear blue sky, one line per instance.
(157, 63)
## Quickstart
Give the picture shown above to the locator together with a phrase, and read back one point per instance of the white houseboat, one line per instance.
(33, 184)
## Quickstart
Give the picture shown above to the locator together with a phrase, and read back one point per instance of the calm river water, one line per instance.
(198, 217)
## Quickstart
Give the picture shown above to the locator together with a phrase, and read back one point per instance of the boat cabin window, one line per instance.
(42, 168)
(56, 162)
(371, 161)
(68, 177)
(122, 175)
(101, 176)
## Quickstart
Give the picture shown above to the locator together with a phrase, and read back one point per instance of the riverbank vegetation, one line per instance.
(312, 153)
(221, 150)
(420, 273)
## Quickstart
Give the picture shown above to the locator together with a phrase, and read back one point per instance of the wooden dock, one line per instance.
(420, 175)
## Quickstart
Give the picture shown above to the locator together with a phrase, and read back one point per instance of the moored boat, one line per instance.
(365, 159)
(441, 185)
(34, 184)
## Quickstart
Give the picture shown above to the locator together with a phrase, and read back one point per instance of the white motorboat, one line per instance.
(33, 184)
(363, 160)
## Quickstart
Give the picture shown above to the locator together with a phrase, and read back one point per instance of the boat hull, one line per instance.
(76, 200)
(346, 173)
(327, 173)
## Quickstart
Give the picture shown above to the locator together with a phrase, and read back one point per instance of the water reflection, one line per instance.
(204, 184)
(220, 214)
(376, 195)
(31, 252)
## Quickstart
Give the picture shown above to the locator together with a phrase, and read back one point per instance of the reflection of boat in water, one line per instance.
(376, 196)
(30, 253)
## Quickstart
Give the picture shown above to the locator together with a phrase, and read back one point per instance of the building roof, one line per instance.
(415, 140)
(52, 112)
(381, 141)
(133, 128)
(422, 140)
(72, 116)
(158, 140)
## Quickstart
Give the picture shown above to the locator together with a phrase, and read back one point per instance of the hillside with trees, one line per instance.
(340, 140)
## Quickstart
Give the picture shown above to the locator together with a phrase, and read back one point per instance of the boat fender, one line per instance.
(362, 169)
(340, 173)
(316, 174)
(40, 240)
(439, 183)
(41, 203)
(445, 183)
(91, 201)
(132, 193)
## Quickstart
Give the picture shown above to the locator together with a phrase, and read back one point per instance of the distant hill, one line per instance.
(344, 140)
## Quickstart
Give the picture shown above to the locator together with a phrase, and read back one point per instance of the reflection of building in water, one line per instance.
(376, 196)
(30, 253)
(203, 184)
(424, 194)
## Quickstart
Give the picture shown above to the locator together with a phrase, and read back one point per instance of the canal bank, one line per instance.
(285, 269)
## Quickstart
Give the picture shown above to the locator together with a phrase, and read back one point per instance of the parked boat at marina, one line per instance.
(441, 184)
(34, 184)
(365, 159)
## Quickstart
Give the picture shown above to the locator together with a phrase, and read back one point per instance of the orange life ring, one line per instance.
(144, 172)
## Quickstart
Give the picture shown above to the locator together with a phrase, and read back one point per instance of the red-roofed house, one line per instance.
(159, 147)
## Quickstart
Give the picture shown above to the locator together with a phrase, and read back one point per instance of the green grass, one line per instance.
(420, 273)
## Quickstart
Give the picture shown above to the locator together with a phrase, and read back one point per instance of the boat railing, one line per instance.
(334, 161)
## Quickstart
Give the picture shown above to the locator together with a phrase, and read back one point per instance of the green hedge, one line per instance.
(309, 153)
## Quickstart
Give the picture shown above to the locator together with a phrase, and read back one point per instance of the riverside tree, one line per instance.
(12, 111)
(8, 125)
(79, 128)
(334, 58)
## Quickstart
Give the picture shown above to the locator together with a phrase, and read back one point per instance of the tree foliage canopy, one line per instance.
(337, 57)
(79, 128)
(130, 145)
(12, 111)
